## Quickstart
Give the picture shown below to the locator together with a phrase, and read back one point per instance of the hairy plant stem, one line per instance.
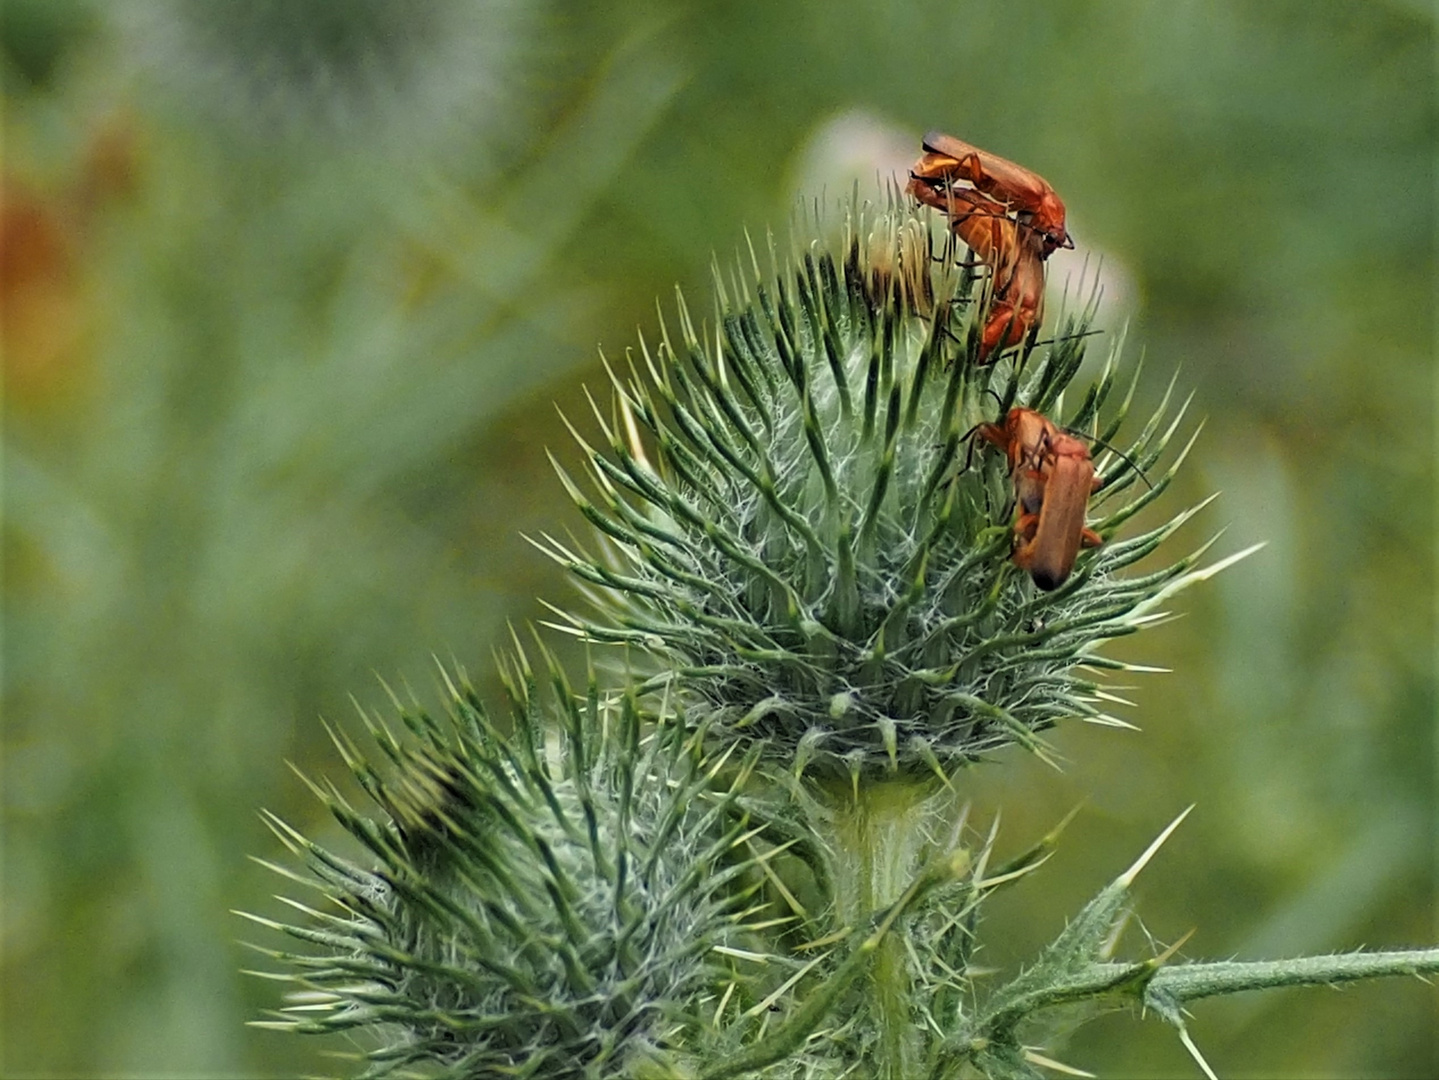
(880, 840)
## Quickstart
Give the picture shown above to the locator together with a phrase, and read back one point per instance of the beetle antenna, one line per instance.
(1115, 451)
(1069, 337)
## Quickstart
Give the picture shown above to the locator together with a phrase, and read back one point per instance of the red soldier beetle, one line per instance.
(1053, 478)
(1020, 189)
(1013, 252)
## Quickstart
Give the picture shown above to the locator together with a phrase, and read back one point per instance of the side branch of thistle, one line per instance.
(1165, 988)
(1173, 986)
(1078, 969)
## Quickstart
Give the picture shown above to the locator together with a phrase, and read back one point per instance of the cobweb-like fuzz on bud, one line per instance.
(795, 519)
(542, 897)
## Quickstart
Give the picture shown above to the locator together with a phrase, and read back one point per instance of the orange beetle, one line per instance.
(1053, 478)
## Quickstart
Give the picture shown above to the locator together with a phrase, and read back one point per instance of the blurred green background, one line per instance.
(290, 288)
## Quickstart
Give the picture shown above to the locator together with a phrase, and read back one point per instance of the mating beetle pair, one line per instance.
(1013, 247)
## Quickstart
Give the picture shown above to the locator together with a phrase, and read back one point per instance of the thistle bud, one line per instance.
(543, 897)
(799, 526)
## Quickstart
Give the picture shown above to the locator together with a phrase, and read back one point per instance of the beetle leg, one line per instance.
(1006, 327)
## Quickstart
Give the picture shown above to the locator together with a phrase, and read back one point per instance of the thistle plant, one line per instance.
(740, 847)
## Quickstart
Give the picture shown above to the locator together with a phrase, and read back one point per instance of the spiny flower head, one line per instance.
(818, 552)
(542, 901)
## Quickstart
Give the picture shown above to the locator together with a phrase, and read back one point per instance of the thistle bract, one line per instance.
(542, 902)
(819, 552)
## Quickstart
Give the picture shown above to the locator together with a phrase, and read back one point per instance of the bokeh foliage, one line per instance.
(278, 380)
